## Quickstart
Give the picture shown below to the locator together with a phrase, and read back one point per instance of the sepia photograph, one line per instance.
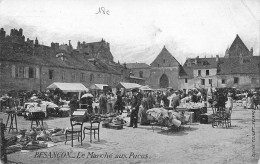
(130, 81)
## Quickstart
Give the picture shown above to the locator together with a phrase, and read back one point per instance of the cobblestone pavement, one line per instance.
(199, 144)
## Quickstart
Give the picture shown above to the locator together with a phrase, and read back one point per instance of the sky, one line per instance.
(137, 30)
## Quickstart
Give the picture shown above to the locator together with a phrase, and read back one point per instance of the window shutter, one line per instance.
(13, 70)
(26, 72)
(37, 73)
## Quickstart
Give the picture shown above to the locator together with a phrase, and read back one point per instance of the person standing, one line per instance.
(109, 103)
(135, 103)
(119, 102)
(102, 103)
(113, 102)
(73, 104)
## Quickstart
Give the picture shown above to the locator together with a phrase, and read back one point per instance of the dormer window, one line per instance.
(61, 56)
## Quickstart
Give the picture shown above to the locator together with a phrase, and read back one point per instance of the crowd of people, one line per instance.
(135, 99)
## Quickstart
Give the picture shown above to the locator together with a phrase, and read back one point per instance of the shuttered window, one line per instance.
(37, 72)
(13, 71)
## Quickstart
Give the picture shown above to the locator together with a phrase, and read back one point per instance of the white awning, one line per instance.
(98, 86)
(128, 85)
(146, 88)
(68, 87)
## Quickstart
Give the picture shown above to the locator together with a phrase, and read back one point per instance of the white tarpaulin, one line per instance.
(98, 86)
(68, 87)
(128, 85)
(146, 88)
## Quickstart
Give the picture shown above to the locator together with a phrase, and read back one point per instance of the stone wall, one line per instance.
(244, 81)
(9, 81)
(171, 72)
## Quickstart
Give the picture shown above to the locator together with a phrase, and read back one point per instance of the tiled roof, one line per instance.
(187, 72)
(137, 65)
(134, 77)
(201, 63)
(237, 48)
(250, 65)
(170, 60)
(48, 58)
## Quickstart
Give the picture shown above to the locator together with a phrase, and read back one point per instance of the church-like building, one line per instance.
(238, 68)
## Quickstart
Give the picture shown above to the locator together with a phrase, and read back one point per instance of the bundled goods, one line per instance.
(192, 105)
(164, 117)
(176, 122)
(115, 126)
(13, 148)
(11, 141)
(118, 120)
(33, 146)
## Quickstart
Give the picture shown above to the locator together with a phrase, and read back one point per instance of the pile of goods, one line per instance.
(167, 118)
(192, 105)
(36, 138)
(113, 122)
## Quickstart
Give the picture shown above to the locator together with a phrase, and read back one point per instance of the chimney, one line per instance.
(251, 51)
(36, 41)
(196, 60)
(217, 58)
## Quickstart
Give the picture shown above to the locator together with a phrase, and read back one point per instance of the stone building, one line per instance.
(202, 71)
(140, 73)
(27, 65)
(165, 70)
(238, 68)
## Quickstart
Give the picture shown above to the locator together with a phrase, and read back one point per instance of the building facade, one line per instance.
(237, 69)
(163, 72)
(27, 65)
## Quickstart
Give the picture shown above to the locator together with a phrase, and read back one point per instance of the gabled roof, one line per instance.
(251, 65)
(170, 61)
(237, 48)
(137, 65)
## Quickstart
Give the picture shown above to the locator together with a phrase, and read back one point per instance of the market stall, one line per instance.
(69, 87)
(196, 108)
(128, 86)
(96, 88)
(145, 88)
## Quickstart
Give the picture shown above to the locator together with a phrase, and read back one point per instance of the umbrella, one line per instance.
(87, 95)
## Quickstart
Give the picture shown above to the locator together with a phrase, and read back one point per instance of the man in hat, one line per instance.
(135, 103)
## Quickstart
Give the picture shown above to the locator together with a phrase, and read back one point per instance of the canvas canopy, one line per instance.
(128, 85)
(146, 88)
(68, 87)
(98, 86)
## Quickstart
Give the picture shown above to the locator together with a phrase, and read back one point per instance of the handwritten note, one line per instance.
(103, 11)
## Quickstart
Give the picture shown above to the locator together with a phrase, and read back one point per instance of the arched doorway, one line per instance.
(164, 81)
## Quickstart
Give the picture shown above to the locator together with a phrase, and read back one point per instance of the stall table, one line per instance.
(13, 120)
(196, 111)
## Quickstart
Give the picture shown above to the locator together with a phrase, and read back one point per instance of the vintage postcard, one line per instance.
(130, 81)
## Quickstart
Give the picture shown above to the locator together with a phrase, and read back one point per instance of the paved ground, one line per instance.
(200, 144)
